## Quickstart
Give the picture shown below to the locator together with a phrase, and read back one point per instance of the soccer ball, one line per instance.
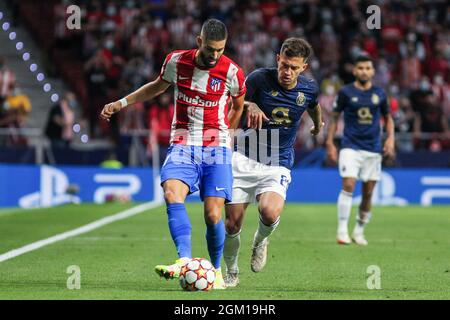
(197, 274)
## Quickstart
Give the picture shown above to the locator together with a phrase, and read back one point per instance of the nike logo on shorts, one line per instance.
(220, 189)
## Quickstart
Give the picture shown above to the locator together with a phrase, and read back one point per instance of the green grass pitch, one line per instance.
(410, 246)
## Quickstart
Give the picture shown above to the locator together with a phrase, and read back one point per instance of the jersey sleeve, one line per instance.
(339, 102)
(315, 96)
(168, 69)
(252, 81)
(238, 85)
(384, 107)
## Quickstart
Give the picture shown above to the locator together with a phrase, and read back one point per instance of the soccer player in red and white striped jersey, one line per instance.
(199, 158)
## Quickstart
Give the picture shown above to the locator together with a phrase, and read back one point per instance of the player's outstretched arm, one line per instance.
(144, 93)
(332, 127)
(389, 144)
(316, 116)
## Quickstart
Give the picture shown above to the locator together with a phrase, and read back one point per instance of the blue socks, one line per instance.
(215, 238)
(180, 228)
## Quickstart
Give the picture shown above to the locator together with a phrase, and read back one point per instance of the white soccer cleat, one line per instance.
(343, 238)
(259, 256)
(359, 239)
(231, 279)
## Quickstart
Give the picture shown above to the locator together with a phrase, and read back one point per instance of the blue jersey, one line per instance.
(362, 111)
(284, 108)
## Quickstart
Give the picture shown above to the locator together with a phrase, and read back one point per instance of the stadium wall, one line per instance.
(43, 186)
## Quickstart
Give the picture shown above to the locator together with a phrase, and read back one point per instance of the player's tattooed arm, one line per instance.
(316, 116)
(144, 93)
(332, 153)
(255, 116)
(389, 144)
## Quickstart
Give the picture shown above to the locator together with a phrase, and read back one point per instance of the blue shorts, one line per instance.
(207, 169)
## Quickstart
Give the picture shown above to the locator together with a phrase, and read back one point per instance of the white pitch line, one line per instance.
(86, 228)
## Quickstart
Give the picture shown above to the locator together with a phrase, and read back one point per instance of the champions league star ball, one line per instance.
(197, 275)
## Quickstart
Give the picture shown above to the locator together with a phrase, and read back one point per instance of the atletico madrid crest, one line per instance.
(215, 84)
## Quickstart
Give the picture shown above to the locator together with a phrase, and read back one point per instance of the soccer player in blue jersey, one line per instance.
(360, 157)
(263, 158)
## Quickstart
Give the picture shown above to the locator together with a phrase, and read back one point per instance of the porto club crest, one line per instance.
(301, 99)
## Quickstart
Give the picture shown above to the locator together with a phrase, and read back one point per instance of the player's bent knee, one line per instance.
(348, 187)
(213, 217)
(170, 196)
(270, 214)
(232, 227)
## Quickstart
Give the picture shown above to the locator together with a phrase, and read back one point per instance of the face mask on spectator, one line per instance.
(394, 89)
(142, 31)
(111, 11)
(329, 90)
(158, 24)
(109, 44)
(355, 51)
(327, 28)
(17, 91)
(315, 65)
(438, 79)
(73, 104)
(411, 37)
(424, 85)
(130, 4)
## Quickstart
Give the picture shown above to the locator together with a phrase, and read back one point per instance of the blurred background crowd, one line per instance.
(122, 44)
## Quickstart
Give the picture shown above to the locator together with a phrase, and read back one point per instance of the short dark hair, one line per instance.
(215, 30)
(296, 47)
(363, 58)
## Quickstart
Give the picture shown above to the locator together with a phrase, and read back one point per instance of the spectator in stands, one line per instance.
(441, 90)
(160, 116)
(329, 58)
(17, 107)
(95, 72)
(7, 80)
(329, 86)
(383, 77)
(403, 116)
(111, 161)
(410, 69)
(59, 128)
(132, 119)
(19, 102)
(125, 42)
(430, 120)
(438, 61)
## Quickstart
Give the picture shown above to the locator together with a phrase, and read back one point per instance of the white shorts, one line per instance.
(360, 164)
(251, 178)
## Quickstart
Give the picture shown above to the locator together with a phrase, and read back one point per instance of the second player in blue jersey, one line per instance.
(363, 105)
(278, 96)
(283, 108)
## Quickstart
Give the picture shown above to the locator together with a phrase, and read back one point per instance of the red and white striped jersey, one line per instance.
(201, 98)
